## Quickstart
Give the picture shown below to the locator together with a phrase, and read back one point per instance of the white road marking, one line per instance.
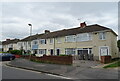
(59, 76)
(37, 72)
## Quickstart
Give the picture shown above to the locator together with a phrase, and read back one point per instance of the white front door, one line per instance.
(103, 51)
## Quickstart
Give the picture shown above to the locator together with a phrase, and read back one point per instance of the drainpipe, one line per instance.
(54, 46)
(75, 47)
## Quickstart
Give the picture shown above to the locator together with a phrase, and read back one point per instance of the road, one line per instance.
(16, 73)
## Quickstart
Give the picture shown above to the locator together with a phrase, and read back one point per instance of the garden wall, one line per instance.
(52, 59)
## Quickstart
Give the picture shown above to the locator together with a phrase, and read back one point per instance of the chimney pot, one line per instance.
(83, 24)
(7, 39)
(47, 31)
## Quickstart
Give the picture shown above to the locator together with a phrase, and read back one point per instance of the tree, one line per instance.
(118, 44)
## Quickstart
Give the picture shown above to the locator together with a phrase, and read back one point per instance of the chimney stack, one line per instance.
(47, 31)
(83, 24)
(7, 39)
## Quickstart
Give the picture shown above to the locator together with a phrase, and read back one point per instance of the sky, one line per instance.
(54, 16)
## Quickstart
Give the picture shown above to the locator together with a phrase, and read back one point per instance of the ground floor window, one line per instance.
(84, 51)
(42, 51)
(70, 51)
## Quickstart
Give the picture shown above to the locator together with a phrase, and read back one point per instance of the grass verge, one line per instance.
(116, 64)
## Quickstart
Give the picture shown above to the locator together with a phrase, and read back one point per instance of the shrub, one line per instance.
(17, 52)
(64, 55)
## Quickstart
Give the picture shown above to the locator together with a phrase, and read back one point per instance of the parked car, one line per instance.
(6, 57)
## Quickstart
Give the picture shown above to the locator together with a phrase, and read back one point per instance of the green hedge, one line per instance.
(64, 55)
(17, 52)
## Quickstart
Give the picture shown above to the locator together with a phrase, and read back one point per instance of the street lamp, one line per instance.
(30, 39)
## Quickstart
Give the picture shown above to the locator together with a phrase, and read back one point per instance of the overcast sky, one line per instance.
(55, 16)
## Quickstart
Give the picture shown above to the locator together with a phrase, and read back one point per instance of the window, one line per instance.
(10, 46)
(84, 37)
(84, 50)
(102, 35)
(35, 42)
(51, 41)
(71, 38)
(42, 51)
(58, 40)
(70, 51)
(42, 41)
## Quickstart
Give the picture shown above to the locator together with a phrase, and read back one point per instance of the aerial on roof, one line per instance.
(66, 32)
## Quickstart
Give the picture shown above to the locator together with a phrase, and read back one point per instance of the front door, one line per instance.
(104, 51)
(51, 51)
(58, 51)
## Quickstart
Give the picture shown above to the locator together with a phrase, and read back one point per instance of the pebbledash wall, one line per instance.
(57, 45)
(95, 44)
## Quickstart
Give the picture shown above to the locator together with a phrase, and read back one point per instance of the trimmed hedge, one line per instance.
(16, 52)
(64, 55)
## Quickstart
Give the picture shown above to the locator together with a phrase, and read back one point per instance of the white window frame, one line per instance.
(86, 49)
(34, 42)
(84, 37)
(43, 51)
(68, 49)
(58, 39)
(70, 38)
(102, 35)
(100, 50)
(51, 40)
(42, 40)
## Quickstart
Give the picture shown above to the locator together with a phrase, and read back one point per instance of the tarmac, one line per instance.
(79, 69)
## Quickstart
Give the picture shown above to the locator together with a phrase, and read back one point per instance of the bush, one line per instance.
(64, 55)
(17, 52)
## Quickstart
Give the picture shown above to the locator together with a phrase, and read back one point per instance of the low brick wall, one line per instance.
(52, 59)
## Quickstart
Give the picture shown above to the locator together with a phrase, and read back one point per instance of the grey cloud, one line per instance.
(54, 16)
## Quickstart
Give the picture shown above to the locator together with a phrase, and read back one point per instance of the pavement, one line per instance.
(79, 69)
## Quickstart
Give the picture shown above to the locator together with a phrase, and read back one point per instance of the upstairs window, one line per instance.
(71, 38)
(51, 41)
(58, 39)
(84, 37)
(102, 35)
(42, 41)
(35, 42)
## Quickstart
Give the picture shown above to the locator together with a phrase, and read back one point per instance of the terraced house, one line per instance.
(10, 45)
(93, 40)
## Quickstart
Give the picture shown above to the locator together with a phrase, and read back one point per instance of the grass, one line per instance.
(116, 64)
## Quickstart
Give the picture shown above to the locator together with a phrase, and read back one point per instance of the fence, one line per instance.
(84, 57)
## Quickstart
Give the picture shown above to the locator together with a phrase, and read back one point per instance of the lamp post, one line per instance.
(30, 39)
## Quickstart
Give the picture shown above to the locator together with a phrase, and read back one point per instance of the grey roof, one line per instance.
(72, 31)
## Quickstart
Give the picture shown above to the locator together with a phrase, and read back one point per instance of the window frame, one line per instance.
(70, 38)
(82, 37)
(102, 35)
(40, 41)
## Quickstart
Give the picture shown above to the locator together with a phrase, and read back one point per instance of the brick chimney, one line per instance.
(7, 39)
(83, 24)
(47, 31)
